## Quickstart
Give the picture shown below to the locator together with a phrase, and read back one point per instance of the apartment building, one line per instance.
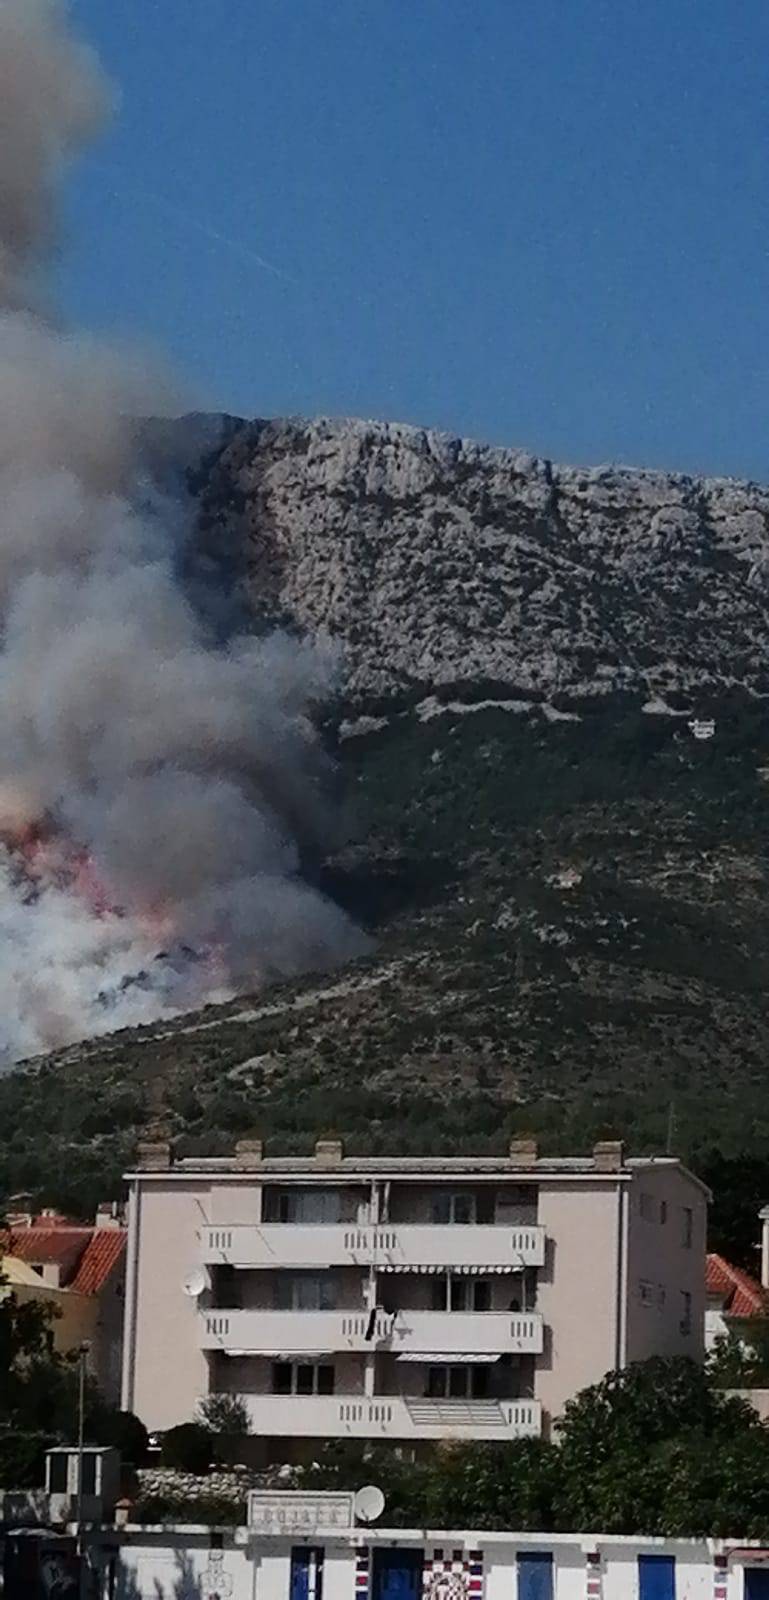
(403, 1299)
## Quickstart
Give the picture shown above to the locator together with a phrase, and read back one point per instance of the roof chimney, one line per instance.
(249, 1153)
(609, 1155)
(109, 1214)
(329, 1152)
(524, 1152)
(154, 1156)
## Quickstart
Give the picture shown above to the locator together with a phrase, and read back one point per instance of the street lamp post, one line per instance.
(82, 1357)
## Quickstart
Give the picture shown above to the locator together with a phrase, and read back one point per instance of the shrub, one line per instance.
(225, 1413)
(125, 1432)
(188, 1448)
(211, 1508)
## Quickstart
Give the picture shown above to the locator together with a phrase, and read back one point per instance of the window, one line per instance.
(306, 1206)
(460, 1294)
(686, 1311)
(282, 1377)
(688, 1227)
(57, 1472)
(458, 1383)
(305, 1291)
(663, 1211)
(646, 1292)
(302, 1377)
(458, 1208)
(227, 1288)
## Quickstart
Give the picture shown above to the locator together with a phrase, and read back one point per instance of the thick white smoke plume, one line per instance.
(155, 787)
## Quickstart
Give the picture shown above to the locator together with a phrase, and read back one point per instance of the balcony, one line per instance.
(407, 1332)
(389, 1248)
(288, 1332)
(451, 1332)
(392, 1417)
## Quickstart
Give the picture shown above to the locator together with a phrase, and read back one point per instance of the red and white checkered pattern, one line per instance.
(362, 1566)
(453, 1575)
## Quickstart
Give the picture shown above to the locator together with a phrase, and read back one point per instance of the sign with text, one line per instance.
(294, 1511)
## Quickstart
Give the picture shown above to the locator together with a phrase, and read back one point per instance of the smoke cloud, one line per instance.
(157, 787)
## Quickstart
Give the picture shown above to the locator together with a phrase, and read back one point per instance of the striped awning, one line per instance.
(283, 1355)
(453, 1272)
(451, 1358)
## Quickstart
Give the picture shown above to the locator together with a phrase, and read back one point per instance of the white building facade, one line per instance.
(403, 1299)
(402, 1564)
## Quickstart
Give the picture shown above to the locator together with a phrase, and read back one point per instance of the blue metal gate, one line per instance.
(535, 1576)
(307, 1573)
(757, 1583)
(656, 1578)
(397, 1575)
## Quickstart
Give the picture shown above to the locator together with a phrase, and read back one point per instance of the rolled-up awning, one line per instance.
(283, 1355)
(450, 1358)
(472, 1272)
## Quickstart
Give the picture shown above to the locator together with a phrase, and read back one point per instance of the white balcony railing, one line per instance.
(479, 1332)
(392, 1417)
(288, 1332)
(385, 1246)
(436, 1332)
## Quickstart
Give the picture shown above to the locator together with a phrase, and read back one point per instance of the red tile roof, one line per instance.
(86, 1256)
(102, 1255)
(742, 1295)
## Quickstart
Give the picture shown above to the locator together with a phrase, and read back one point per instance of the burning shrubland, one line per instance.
(157, 783)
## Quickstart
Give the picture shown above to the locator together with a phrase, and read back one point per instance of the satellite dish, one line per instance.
(194, 1283)
(369, 1503)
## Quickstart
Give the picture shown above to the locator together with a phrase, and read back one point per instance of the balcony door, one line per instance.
(305, 1207)
(757, 1583)
(305, 1291)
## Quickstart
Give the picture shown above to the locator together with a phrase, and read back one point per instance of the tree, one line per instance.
(617, 1439)
(226, 1414)
(39, 1397)
(188, 1448)
(740, 1186)
(120, 1429)
(740, 1358)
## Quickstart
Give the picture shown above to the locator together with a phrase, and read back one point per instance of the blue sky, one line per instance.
(541, 223)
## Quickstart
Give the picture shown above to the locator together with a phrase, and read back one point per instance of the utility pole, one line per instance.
(82, 1359)
(672, 1128)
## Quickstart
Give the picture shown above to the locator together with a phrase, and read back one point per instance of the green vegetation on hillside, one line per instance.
(571, 936)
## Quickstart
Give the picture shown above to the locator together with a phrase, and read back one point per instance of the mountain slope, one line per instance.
(438, 561)
(567, 888)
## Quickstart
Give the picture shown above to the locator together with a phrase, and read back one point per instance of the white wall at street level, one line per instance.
(164, 1563)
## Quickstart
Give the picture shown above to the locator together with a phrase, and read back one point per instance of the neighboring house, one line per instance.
(733, 1300)
(81, 1271)
(403, 1298)
(73, 1313)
